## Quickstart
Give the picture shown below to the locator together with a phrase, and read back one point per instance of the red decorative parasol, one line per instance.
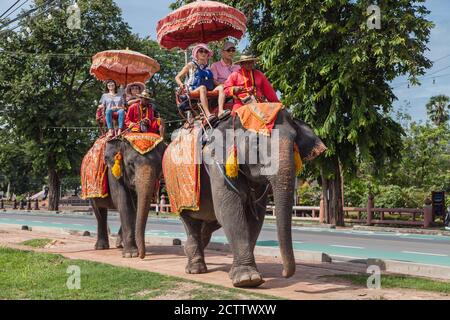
(123, 66)
(200, 21)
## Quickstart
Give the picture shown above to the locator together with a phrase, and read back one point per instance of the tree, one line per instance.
(335, 72)
(45, 81)
(438, 109)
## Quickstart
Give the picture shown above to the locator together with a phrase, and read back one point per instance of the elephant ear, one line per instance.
(112, 148)
(309, 144)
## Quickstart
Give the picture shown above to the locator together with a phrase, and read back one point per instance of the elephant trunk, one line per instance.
(283, 185)
(145, 184)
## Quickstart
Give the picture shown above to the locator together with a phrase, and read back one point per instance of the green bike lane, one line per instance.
(347, 243)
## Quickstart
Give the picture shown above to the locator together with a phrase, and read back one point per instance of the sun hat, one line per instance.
(246, 58)
(131, 85)
(201, 46)
(145, 95)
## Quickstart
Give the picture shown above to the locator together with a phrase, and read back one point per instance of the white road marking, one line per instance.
(426, 253)
(351, 247)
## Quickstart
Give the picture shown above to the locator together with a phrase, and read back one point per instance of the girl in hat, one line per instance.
(201, 79)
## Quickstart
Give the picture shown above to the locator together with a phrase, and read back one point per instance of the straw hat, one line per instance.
(245, 58)
(145, 95)
(137, 84)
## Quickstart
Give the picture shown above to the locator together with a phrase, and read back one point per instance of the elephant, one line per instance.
(131, 194)
(239, 205)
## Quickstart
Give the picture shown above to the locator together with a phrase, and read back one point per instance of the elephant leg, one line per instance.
(102, 228)
(119, 241)
(126, 207)
(207, 230)
(229, 209)
(255, 225)
(193, 247)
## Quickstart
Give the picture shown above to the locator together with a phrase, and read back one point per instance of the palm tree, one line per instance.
(437, 109)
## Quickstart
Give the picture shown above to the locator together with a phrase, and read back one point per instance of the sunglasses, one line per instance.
(231, 50)
(203, 51)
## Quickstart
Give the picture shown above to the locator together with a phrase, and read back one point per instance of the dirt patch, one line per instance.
(182, 292)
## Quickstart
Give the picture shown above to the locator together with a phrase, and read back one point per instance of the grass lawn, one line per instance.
(399, 282)
(31, 275)
(37, 243)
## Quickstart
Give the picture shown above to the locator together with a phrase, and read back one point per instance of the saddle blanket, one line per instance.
(94, 180)
(259, 117)
(143, 142)
(181, 168)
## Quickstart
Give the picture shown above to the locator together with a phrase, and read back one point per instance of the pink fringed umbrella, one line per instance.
(200, 21)
(123, 66)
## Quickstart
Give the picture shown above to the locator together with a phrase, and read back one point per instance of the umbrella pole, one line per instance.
(185, 57)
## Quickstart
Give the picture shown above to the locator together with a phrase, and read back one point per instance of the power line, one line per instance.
(27, 13)
(439, 59)
(9, 14)
(62, 55)
(10, 8)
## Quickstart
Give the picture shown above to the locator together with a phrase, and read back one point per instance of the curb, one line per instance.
(403, 230)
(390, 266)
(409, 268)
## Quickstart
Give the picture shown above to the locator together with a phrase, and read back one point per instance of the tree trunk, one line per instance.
(332, 195)
(54, 185)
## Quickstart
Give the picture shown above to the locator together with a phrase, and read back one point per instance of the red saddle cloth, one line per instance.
(181, 167)
(259, 117)
(143, 142)
(94, 178)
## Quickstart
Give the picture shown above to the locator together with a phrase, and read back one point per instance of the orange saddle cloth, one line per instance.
(143, 142)
(259, 117)
(181, 167)
(94, 180)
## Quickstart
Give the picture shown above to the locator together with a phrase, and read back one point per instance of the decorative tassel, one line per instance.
(116, 169)
(231, 165)
(297, 160)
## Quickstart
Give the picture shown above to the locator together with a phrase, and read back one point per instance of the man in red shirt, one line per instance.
(141, 118)
(248, 84)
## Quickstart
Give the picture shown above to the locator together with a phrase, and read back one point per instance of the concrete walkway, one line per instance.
(310, 282)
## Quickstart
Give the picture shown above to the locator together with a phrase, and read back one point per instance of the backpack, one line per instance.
(203, 77)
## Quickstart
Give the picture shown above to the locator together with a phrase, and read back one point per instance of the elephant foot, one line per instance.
(119, 243)
(130, 253)
(246, 277)
(196, 267)
(102, 244)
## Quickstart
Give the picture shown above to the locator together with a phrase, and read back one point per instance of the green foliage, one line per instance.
(45, 80)
(425, 159)
(309, 194)
(16, 165)
(438, 109)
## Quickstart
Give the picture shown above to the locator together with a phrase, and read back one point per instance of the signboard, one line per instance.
(438, 203)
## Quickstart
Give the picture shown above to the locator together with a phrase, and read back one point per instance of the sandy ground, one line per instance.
(309, 283)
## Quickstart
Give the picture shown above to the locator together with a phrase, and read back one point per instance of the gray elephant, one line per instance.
(239, 205)
(131, 194)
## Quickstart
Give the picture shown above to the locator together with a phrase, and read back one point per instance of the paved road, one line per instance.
(345, 243)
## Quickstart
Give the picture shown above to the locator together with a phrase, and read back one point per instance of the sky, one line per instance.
(143, 15)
